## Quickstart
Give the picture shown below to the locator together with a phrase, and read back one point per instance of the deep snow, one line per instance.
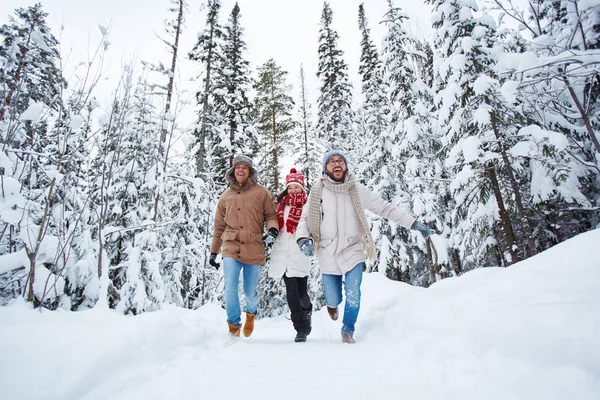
(529, 331)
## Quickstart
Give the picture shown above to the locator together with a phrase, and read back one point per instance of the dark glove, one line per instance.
(213, 260)
(423, 229)
(270, 236)
(306, 247)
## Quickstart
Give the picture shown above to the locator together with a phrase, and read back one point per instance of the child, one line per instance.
(286, 258)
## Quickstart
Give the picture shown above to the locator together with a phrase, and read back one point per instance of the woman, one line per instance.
(287, 260)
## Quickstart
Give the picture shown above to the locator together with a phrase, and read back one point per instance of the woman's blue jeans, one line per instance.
(332, 289)
(231, 272)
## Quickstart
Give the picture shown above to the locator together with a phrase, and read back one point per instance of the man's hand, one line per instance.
(306, 247)
(270, 236)
(423, 229)
(213, 260)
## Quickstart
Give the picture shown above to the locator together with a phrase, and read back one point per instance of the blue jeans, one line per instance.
(332, 289)
(231, 272)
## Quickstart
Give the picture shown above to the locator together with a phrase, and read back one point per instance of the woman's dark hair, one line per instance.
(282, 195)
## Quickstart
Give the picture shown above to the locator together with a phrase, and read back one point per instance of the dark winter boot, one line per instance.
(300, 337)
(333, 313)
(308, 320)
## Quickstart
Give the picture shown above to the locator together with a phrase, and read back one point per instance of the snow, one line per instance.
(471, 148)
(34, 112)
(11, 201)
(587, 4)
(525, 332)
(76, 122)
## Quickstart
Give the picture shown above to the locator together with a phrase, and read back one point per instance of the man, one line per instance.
(334, 225)
(240, 217)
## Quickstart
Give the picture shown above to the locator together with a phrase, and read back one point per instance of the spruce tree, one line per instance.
(208, 51)
(274, 123)
(335, 115)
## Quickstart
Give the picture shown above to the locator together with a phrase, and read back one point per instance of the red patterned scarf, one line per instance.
(295, 201)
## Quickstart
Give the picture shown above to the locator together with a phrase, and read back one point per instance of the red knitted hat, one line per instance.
(294, 177)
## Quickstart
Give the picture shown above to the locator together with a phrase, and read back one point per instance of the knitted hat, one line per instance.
(330, 154)
(294, 177)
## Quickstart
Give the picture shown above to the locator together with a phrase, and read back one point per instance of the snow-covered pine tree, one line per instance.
(233, 83)
(561, 96)
(374, 168)
(483, 229)
(335, 116)
(31, 84)
(208, 51)
(274, 122)
(138, 283)
(307, 149)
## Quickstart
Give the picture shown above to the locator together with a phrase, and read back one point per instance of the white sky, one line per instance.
(527, 332)
(281, 29)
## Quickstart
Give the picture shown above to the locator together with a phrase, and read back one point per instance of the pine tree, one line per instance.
(232, 85)
(29, 55)
(484, 213)
(275, 124)
(208, 51)
(335, 115)
(308, 149)
(31, 85)
(560, 97)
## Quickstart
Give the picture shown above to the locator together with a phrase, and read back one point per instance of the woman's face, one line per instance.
(294, 188)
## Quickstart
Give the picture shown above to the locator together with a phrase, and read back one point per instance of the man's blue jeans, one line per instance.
(332, 289)
(231, 272)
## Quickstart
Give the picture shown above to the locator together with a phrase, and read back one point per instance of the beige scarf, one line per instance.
(314, 212)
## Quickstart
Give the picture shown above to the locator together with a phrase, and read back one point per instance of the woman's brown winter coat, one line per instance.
(240, 220)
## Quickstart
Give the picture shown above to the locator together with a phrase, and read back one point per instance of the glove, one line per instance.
(270, 236)
(306, 247)
(423, 229)
(213, 260)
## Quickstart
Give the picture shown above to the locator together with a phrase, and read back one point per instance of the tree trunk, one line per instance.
(507, 229)
(164, 151)
(529, 245)
(274, 126)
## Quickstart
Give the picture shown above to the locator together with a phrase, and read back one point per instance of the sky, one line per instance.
(284, 30)
(529, 331)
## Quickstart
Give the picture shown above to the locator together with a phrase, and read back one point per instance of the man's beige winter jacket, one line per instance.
(240, 220)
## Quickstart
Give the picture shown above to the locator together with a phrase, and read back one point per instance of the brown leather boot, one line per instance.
(234, 330)
(249, 325)
(348, 338)
(333, 313)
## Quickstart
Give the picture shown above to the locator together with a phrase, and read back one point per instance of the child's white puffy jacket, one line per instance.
(286, 256)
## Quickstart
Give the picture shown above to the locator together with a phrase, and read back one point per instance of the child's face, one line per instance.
(294, 188)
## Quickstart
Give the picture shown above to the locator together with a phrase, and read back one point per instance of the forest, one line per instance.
(487, 132)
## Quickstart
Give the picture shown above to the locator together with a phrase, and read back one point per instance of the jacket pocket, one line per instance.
(229, 236)
(325, 242)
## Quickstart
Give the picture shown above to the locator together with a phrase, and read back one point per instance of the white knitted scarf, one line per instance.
(314, 212)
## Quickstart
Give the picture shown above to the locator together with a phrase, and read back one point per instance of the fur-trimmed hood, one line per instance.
(243, 160)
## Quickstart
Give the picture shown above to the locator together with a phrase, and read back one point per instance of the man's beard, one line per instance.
(337, 180)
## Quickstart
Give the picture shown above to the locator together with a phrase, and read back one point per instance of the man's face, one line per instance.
(242, 173)
(336, 168)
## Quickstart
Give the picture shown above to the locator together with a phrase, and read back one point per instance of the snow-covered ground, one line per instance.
(530, 331)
